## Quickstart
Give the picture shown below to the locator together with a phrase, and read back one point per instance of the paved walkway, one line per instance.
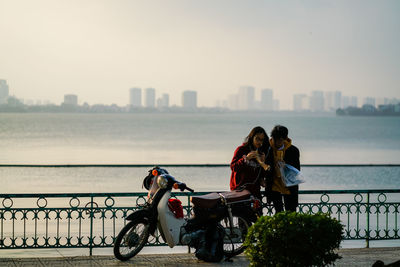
(351, 257)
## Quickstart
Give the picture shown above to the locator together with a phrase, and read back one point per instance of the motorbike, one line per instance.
(216, 228)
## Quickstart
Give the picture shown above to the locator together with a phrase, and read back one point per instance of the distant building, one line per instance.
(369, 101)
(246, 98)
(233, 102)
(3, 91)
(300, 102)
(379, 101)
(333, 100)
(317, 101)
(135, 97)
(189, 99)
(163, 101)
(353, 101)
(276, 104)
(392, 101)
(328, 100)
(71, 100)
(346, 102)
(267, 99)
(150, 97)
(337, 100)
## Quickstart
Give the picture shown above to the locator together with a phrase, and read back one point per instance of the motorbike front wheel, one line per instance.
(131, 239)
(235, 235)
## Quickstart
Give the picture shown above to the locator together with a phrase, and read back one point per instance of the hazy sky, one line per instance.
(99, 49)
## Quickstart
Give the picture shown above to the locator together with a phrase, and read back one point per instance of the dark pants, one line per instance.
(290, 201)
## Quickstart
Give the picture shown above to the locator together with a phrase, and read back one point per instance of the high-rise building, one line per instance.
(328, 100)
(189, 99)
(71, 100)
(317, 101)
(349, 101)
(276, 104)
(391, 101)
(233, 102)
(163, 101)
(337, 100)
(3, 91)
(353, 101)
(380, 101)
(150, 97)
(135, 97)
(246, 98)
(267, 99)
(369, 101)
(333, 100)
(299, 102)
(346, 102)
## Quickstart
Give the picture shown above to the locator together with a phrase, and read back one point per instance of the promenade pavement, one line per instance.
(351, 257)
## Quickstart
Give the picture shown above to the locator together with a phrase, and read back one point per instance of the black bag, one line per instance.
(210, 246)
(214, 214)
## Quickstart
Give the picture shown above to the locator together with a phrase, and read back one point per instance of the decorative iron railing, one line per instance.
(92, 220)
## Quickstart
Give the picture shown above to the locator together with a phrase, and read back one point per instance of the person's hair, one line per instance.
(279, 131)
(248, 141)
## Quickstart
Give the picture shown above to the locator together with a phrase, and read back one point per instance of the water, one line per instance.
(187, 138)
(98, 180)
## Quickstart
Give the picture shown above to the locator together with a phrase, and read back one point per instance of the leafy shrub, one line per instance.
(293, 239)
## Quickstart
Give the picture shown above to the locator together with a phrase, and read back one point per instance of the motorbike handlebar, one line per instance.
(182, 186)
(189, 189)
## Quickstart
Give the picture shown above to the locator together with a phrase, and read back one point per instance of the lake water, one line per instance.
(187, 139)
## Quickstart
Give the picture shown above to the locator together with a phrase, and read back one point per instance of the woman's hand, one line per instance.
(252, 155)
(262, 157)
(261, 160)
(266, 167)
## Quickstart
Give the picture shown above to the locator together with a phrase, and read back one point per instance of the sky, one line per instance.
(98, 49)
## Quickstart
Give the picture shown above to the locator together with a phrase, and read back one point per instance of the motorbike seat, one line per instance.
(212, 199)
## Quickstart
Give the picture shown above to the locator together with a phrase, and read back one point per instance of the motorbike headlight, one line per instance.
(162, 181)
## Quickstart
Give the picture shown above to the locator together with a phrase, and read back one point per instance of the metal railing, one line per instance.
(92, 220)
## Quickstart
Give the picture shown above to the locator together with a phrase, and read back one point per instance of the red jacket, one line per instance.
(246, 172)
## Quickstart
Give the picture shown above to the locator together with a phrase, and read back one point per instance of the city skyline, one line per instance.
(247, 98)
(98, 49)
(259, 99)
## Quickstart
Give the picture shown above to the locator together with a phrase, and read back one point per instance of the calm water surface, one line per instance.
(189, 138)
(186, 138)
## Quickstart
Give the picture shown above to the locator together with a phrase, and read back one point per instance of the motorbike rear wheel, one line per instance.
(131, 239)
(235, 236)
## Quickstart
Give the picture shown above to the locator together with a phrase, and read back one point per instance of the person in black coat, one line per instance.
(281, 152)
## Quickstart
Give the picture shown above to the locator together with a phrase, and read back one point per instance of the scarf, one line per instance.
(279, 154)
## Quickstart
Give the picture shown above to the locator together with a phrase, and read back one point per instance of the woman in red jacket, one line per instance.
(248, 164)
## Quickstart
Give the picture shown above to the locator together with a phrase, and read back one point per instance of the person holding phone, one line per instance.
(248, 163)
(283, 152)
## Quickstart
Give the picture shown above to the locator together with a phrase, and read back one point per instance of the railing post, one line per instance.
(189, 251)
(368, 212)
(91, 227)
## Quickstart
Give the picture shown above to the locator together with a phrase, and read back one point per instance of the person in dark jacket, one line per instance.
(248, 163)
(282, 151)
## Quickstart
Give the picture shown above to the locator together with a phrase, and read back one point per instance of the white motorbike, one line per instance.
(217, 228)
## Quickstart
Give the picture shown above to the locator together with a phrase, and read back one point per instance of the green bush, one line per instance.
(293, 239)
